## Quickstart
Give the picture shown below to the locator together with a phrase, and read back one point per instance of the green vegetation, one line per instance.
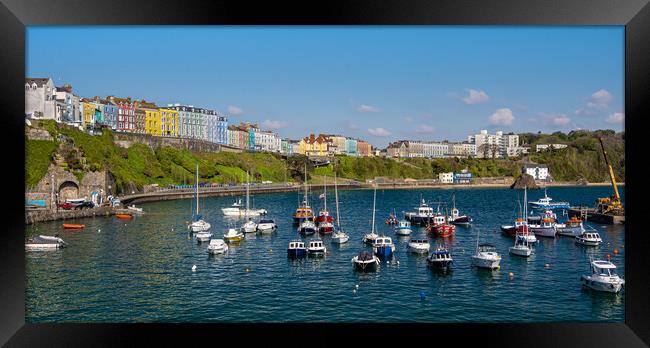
(140, 165)
(38, 156)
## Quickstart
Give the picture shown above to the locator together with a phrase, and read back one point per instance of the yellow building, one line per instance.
(169, 122)
(152, 119)
(88, 116)
(313, 146)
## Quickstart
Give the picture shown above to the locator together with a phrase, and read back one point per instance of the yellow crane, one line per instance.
(610, 205)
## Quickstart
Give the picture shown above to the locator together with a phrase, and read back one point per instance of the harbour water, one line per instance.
(140, 270)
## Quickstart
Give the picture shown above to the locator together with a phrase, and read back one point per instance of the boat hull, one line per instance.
(366, 266)
(548, 232)
(384, 251)
(73, 226)
(570, 231)
(294, 253)
(443, 265)
(523, 252)
(403, 231)
(419, 249)
(594, 284)
(485, 263)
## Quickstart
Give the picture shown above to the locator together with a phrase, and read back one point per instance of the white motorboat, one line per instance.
(249, 226)
(420, 246)
(237, 210)
(338, 236)
(217, 246)
(546, 203)
(135, 209)
(603, 277)
(266, 225)
(233, 235)
(486, 255)
(369, 238)
(521, 247)
(403, 228)
(42, 242)
(203, 236)
(365, 261)
(198, 224)
(316, 247)
(383, 246)
(589, 239)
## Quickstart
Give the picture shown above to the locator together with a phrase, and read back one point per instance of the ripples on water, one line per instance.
(140, 270)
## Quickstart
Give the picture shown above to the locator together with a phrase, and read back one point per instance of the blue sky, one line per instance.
(377, 83)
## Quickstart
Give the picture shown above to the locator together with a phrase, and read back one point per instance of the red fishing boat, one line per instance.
(73, 226)
(324, 220)
(441, 227)
(392, 219)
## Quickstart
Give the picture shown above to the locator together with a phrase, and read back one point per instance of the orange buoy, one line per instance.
(510, 274)
(615, 251)
(73, 226)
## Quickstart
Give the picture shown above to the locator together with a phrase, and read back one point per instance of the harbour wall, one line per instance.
(42, 215)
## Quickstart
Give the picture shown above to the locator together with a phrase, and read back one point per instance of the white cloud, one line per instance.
(378, 132)
(475, 97)
(424, 129)
(502, 117)
(273, 124)
(617, 117)
(235, 110)
(367, 108)
(600, 98)
(559, 120)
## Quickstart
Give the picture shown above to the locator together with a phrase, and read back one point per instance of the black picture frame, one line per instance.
(15, 15)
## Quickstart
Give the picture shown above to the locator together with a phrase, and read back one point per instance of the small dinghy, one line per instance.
(603, 277)
(42, 242)
(217, 246)
(365, 261)
(124, 216)
(521, 247)
(403, 228)
(203, 236)
(420, 246)
(440, 259)
(589, 239)
(316, 247)
(249, 226)
(296, 249)
(73, 226)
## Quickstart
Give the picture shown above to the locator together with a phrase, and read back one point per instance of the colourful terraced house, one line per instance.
(152, 119)
(169, 122)
(88, 112)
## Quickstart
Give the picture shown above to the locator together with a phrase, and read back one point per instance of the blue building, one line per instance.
(222, 129)
(464, 177)
(351, 147)
(110, 113)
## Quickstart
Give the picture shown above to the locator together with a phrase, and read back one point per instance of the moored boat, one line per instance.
(73, 226)
(545, 229)
(456, 218)
(589, 239)
(521, 247)
(603, 277)
(547, 203)
(217, 246)
(392, 219)
(203, 236)
(338, 236)
(369, 238)
(307, 227)
(571, 228)
(365, 261)
(316, 247)
(124, 216)
(440, 226)
(403, 228)
(440, 259)
(383, 246)
(420, 246)
(198, 224)
(324, 220)
(42, 242)
(266, 225)
(249, 226)
(296, 249)
(423, 214)
(233, 235)
(304, 211)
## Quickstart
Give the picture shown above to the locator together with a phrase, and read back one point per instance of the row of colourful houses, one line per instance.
(45, 101)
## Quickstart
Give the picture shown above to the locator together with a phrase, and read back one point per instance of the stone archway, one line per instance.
(68, 190)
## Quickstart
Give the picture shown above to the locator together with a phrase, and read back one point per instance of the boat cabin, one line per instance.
(266, 221)
(420, 241)
(590, 235)
(441, 254)
(365, 256)
(383, 241)
(404, 224)
(315, 244)
(439, 220)
(485, 247)
(296, 245)
(603, 268)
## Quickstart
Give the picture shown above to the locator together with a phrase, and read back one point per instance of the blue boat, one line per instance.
(296, 249)
(383, 247)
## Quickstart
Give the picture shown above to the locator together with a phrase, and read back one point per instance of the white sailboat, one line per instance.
(486, 255)
(198, 224)
(249, 226)
(521, 247)
(338, 236)
(369, 238)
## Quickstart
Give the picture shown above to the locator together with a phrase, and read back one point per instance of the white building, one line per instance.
(446, 178)
(537, 171)
(267, 141)
(545, 147)
(67, 105)
(494, 145)
(40, 99)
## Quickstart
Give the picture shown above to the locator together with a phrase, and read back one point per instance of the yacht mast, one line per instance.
(196, 184)
(374, 200)
(306, 204)
(336, 196)
(247, 194)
